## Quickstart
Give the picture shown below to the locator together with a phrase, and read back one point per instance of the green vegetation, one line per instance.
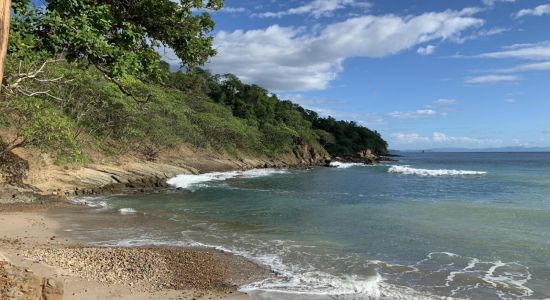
(84, 74)
(347, 138)
(118, 37)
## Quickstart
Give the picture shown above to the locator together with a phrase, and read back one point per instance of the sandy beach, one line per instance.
(32, 254)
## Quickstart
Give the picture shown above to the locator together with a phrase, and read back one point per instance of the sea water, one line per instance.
(431, 226)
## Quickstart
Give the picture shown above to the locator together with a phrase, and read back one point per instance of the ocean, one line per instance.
(430, 226)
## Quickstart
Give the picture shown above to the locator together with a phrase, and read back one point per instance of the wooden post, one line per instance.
(5, 8)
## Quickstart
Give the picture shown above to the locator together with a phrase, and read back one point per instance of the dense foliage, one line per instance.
(118, 37)
(283, 123)
(85, 74)
(348, 138)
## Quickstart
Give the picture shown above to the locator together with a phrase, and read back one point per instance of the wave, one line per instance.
(407, 170)
(90, 202)
(127, 211)
(507, 279)
(293, 281)
(347, 165)
(344, 165)
(318, 284)
(187, 181)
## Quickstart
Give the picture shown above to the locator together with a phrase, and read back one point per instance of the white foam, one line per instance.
(193, 181)
(90, 201)
(127, 211)
(505, 278)
(291, 280)
(319, 283)
(344, 165)
(406, 170)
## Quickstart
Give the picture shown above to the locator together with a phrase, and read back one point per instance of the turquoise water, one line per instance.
(433, 225)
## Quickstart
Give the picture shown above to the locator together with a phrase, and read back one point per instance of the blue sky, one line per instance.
(425, 74)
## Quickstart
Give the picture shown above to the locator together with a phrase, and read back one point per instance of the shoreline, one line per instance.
(26, 226)
(31, 246)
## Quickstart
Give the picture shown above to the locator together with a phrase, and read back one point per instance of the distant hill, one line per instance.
(494, 149)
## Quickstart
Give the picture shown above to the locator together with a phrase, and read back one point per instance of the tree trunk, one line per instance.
(5, 8)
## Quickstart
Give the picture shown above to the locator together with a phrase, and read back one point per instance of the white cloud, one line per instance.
(420, 113)
(445, 102)
(292, 59)
(493, 2)
(319, 105)
(539, 66)
(440, 138)
(491, 79)
(482, 33)
(546, 131)
(537, 11)
(410, 138)
(510, 100)
(366, 119)
(316, 8)
(426, 50)
(233, 9)
(539, 51)
(276, 58)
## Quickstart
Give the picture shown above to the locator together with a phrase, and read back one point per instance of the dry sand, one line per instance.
(28, 241)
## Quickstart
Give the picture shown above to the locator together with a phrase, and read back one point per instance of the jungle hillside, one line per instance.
(86, 75)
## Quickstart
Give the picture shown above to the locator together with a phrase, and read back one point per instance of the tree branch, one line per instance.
(121, 87)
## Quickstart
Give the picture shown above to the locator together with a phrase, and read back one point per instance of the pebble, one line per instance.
(147, 269)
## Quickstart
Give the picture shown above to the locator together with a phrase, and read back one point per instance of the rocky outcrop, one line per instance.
(13, 169)
(128, 174)
(22, 284)
(366, 157)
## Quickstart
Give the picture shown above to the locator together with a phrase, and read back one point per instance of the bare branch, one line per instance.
(32, 94)
(14, 81)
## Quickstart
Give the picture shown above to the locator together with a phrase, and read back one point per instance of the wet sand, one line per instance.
(29, 241)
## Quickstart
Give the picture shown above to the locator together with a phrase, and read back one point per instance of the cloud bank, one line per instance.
(298, 59)
(537, 11)
(316, 8)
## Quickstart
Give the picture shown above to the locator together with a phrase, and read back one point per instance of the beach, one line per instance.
(430, 226)
(32, 251)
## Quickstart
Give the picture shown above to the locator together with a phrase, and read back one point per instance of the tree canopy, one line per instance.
(281, 121)
(117, 36)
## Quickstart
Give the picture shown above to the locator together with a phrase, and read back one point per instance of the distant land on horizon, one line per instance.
(495, 149)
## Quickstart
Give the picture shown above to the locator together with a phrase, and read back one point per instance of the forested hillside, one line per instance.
(85, 75)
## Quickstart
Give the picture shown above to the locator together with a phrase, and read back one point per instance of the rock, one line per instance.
(52, 289)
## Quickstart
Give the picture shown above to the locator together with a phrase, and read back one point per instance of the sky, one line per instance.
(425, 74)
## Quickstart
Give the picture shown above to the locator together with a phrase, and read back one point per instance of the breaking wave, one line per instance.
(406, 170)
(127, 211)
(90, 202)
(344, 165)
(293, 281)
(187, 181)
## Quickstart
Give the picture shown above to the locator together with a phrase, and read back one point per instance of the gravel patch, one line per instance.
(153, 269)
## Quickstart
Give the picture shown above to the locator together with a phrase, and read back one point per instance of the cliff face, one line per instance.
(128, 173)
(366, 156)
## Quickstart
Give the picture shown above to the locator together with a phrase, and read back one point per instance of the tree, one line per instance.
(118, 37)
(4, 32)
